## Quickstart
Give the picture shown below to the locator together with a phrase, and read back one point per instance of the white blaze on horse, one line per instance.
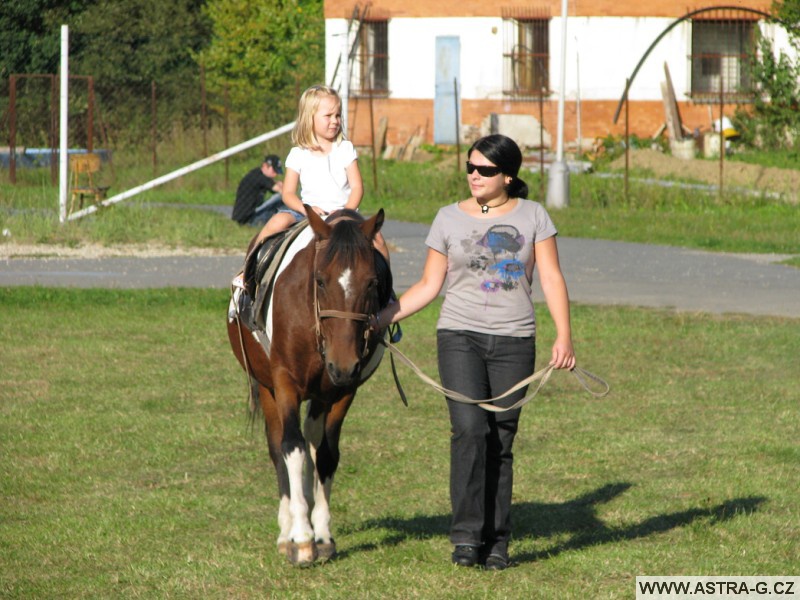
(313, 344)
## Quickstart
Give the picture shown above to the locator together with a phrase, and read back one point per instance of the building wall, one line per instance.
(406, 118)
(602, 51)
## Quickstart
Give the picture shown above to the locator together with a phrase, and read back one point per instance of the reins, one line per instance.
(542, 376)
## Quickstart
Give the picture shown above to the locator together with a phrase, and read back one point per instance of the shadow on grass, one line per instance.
(577, 517)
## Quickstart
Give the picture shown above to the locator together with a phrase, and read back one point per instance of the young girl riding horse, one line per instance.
(323, 162)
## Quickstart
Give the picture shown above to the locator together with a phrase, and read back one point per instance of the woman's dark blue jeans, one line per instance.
(482, 366)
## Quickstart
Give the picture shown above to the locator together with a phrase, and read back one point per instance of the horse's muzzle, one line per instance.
(343, 377)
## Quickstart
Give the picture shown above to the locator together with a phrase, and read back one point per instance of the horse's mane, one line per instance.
(347, 241)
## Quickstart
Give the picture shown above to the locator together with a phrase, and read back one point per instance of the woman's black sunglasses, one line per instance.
(483, 170)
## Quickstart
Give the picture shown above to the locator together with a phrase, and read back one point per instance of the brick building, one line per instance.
(430, 66)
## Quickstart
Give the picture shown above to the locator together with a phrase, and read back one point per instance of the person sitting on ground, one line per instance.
(250, 207)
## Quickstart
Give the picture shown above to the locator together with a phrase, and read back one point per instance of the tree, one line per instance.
(265, 53)
(128, 44)
(31, 35)
(774, 121)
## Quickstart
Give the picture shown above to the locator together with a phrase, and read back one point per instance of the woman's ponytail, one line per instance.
(517, 188)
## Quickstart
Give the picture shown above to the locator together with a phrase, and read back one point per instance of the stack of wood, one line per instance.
(405, 151)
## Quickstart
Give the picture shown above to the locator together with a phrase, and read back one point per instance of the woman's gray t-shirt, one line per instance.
(490, 267)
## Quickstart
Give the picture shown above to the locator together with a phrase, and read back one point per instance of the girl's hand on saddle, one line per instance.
(563, 355)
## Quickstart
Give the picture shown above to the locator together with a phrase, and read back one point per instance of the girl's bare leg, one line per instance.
(277, 223)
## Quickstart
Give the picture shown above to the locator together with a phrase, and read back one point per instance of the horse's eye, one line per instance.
(320, 283)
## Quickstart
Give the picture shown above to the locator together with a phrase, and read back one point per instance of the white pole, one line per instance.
(63, 175)
(558, 176)
(563, 86)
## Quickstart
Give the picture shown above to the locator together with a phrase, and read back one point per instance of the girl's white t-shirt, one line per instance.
(323, 177)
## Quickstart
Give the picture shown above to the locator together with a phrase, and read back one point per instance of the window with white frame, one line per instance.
(720, 57)
(370, 69)
(526, 54)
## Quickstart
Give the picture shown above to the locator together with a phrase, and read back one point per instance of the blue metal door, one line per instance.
(447, 101)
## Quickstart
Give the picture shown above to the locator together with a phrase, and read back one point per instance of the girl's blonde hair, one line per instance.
(303, 132)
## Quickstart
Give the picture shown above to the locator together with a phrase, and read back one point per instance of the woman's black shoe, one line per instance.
(465, 556)
(495, 562)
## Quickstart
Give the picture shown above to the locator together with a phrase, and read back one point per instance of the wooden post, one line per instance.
(541, 144)
(90, 121)
(458, 133)
(104, 135)
(627, 138)
(225, 133)
(203, 115)
(153, 127)
(721, 131)
(53, 130)
(12, 132)
(374, 150)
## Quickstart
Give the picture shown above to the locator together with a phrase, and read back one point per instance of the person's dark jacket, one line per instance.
(250, 194)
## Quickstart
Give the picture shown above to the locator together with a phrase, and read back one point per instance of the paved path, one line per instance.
(598, 272)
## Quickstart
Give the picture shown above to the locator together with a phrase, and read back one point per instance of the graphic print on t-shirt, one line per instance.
(495, 254)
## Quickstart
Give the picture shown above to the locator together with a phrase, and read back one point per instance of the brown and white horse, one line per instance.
(320, 350)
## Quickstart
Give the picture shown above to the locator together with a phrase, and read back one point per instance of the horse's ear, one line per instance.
(320, 227)
(373, 225)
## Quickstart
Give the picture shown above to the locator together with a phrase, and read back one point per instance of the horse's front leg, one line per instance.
(300, 545)
(323, 426)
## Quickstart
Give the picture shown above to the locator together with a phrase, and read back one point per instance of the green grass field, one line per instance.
(130, 470)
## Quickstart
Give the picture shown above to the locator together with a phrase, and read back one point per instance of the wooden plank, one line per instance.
(411, 148)
(674, 126)
(380, 136)
(401, 155)
(659, 131)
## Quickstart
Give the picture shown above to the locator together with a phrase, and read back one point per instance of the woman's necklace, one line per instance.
(485, 207)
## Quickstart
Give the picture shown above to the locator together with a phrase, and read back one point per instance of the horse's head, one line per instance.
(345, 289)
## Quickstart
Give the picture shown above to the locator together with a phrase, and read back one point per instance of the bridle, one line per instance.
(320, 314)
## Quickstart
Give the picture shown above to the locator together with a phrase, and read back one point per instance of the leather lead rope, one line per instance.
(542, 376)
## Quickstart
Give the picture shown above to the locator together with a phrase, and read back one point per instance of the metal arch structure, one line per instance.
(674, 24)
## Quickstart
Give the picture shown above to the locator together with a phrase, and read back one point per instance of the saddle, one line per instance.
(261, 264)
(252, 287)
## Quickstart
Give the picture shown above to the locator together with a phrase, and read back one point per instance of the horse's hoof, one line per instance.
(326, 551)
(303, 554)
(283, 548)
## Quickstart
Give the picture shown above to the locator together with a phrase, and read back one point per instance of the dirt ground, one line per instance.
(735, 174)
(10, 250)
